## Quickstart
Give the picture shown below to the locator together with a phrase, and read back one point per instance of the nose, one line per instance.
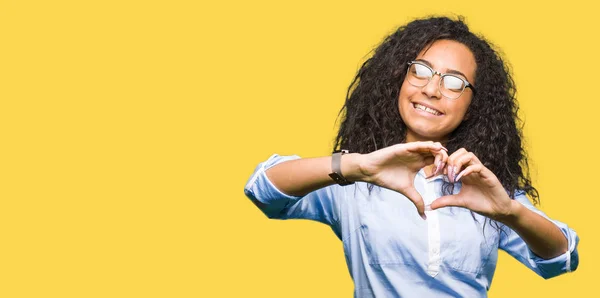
(432, 89)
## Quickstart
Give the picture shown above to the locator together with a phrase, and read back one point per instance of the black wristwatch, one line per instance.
(336, 167)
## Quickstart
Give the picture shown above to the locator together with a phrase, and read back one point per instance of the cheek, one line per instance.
(464, 105)
(459, 110)
(462, 109)
(406, 92)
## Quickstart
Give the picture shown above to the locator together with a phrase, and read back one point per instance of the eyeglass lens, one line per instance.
(450, 86)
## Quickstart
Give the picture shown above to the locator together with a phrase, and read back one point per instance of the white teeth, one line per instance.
(426, 109)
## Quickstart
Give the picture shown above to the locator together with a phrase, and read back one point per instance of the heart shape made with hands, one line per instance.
(395, 168)
(481, 191)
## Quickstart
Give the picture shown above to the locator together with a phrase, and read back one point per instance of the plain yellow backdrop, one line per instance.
(129, 128)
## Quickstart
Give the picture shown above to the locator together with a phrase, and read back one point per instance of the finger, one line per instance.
(442, 146)
(458, 153)
(412, 194)
(442, 165)
(412, 146)
(464, 161)
(451, 170)
(438, 160)
(461, 160)
(447, 201)
(467, 158)
(476, 168)
(437, 163)
(424, 147)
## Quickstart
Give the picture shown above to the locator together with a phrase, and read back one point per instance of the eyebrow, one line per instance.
(452, 71)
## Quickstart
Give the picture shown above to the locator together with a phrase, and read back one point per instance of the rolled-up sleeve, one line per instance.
(514, 245)
(318, 205)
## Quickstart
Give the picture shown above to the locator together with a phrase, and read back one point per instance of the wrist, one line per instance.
(350, 166)
(512, 217)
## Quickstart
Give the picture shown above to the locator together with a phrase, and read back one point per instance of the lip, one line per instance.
(412, 103)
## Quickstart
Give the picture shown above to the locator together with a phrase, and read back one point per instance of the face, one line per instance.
(442, 115)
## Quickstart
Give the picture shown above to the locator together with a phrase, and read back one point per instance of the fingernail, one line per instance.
(450, 174)
(423, 216)
(459, 176)
(455, 172)
(444, 148)
(428, 207)
(437, 170)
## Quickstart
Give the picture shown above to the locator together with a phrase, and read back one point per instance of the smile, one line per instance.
(427, 109)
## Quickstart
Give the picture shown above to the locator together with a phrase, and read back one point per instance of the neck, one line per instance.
(412, 137)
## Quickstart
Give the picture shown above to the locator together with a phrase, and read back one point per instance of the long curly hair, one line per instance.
(491, 128)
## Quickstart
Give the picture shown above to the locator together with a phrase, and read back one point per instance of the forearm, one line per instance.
(542, 236)
(302, 176)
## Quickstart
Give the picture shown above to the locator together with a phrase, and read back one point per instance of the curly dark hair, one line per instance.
(491, 128)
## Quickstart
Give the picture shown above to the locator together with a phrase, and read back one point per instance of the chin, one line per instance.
(426, 134)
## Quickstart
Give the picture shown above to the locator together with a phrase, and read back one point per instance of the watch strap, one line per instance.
(336, 167)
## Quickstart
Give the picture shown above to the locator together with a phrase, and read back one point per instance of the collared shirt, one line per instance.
(392, 252)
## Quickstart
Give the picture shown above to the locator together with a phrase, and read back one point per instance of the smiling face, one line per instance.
(428, 114)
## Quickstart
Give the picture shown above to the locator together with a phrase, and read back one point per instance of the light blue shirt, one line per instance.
(392, 252)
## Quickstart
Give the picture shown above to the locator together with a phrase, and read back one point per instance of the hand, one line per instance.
(395, 167)
(481, 190)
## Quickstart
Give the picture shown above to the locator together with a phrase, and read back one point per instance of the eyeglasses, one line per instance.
(451, 86)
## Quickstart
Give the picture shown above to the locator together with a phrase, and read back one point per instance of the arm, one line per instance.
(520, 245)
(301, 176)
(277, 184)
(542, 236)
(317, 205)
(548, 247)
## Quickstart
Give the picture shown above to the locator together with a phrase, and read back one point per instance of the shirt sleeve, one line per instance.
(318, 205)
(514, 245)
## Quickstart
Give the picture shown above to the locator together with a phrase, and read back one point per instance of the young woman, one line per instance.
(433, 179)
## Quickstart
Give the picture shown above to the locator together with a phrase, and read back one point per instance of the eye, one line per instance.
(453, 83)
(421, 71)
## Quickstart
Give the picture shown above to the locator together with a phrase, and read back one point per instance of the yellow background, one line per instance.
(129, 128)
